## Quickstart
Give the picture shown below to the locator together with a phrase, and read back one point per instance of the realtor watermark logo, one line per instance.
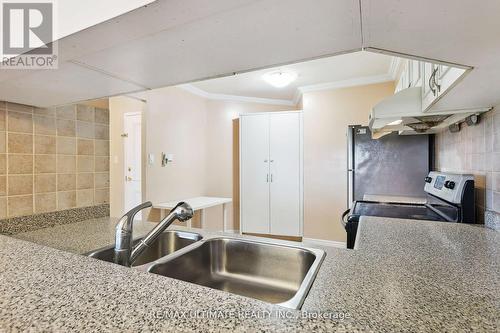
(27, 34)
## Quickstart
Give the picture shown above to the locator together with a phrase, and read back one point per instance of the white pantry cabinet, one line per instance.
(271, 173)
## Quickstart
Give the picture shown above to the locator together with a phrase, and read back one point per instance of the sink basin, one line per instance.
(168, 242)
(277, 274)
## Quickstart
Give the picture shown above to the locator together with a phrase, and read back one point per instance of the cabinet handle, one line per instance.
(271, 178)
(438, 86)
(431, 83)
(267, 178)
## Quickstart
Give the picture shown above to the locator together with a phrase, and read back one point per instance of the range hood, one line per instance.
(402, 112)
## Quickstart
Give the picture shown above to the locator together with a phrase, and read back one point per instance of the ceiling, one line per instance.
(352, 68)
(170, 42)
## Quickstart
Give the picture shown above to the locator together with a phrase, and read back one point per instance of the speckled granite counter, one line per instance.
(404, 276)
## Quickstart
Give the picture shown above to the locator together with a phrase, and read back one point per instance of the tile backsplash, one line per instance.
(52, 159)
(475, 150)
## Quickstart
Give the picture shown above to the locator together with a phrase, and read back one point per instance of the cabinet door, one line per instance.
(286, 178)
(415, 73)
(254, 174)
(447, 76)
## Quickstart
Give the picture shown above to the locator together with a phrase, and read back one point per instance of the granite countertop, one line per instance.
(404, 276)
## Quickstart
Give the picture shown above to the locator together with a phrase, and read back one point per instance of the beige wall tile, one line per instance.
(101, 196)
(85, 198)
(20, 164)
(45, 163)
(45, 183)
(66, 182)
(66, 146)
(85, 129)
(101, 164)
(66, 164)
(3, 164)
(3, 140)
(101, 180)
(2, 120)
(19, 185)
(19, 107)
(66, 112)
(85, 147)
(20, 143)
(85, 113)
(66, 200)
(45, 202)
(45, 144)
(66, 127)
(20, 122)
(45, 125)
(102, 116)
(101, 132)
(3, 207)
(85, 181)
(48, 153)
(101, 147)
(48, 112)
(19, 206)
(3, 185)
(85, 164)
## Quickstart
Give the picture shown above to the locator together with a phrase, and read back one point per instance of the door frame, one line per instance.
(124, 150)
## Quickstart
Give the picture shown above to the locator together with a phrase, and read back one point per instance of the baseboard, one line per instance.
(324, 242)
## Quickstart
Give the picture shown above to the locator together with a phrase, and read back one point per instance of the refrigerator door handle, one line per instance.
(350, 165)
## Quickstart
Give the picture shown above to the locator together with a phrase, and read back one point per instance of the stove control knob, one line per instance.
(428, 179)
(449, 184)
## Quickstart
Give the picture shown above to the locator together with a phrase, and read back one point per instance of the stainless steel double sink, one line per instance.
(275, 273)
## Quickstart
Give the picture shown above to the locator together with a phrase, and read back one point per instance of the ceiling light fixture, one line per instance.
(279, 79)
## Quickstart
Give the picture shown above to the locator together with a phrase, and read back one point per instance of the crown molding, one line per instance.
(361, 81)
(234, 98)
(347, 83)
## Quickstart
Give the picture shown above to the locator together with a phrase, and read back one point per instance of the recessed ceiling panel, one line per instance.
(253, 35)
(344, 67)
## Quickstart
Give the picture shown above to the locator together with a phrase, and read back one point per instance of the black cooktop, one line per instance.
(395, 210)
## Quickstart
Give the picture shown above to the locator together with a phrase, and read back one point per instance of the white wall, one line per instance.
(176, 123)
(326, 117)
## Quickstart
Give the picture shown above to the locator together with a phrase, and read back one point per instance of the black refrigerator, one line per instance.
(394, 165)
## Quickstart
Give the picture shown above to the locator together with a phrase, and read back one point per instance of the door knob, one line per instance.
(128, 178)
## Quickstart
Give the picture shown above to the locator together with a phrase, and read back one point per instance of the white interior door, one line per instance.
(285, 168)
(254, 173)
(132, 161)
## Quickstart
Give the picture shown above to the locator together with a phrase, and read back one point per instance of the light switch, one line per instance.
(151, 159)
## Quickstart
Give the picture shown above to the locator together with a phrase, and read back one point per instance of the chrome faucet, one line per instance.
(125, 253)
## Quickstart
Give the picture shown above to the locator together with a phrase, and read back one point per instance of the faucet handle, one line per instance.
(131, 213)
